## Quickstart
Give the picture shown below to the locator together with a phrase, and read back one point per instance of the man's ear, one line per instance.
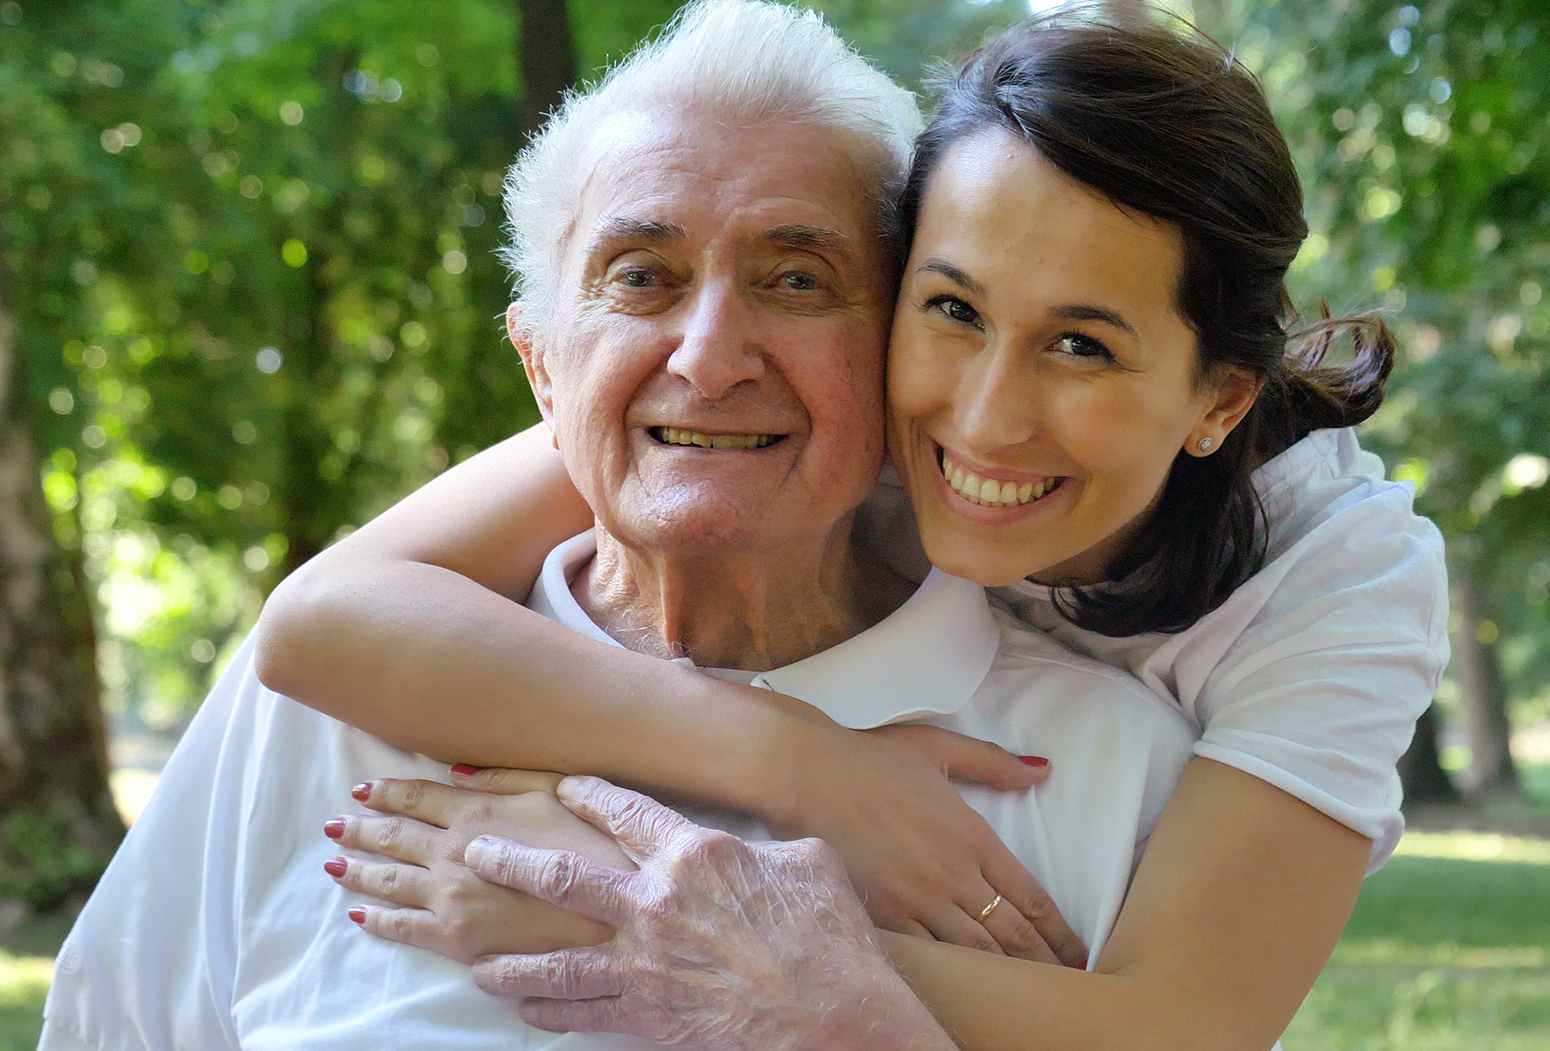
(1236, 390)
(532, 351)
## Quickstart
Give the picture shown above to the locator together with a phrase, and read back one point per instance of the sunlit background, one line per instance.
(247, 250)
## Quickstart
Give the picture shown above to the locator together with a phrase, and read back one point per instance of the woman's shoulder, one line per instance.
(1338, 525)
(1328, 476)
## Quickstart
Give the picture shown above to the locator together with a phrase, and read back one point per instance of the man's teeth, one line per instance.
(678, 436)
(988, 491)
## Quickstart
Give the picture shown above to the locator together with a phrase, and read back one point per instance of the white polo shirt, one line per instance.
(215, 927)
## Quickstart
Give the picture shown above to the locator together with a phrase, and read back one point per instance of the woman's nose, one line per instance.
(996, 404)
(719, 348)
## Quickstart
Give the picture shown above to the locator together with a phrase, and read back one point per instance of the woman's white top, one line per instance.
(1311, 676)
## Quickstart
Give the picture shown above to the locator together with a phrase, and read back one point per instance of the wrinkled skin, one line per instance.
(721, 944)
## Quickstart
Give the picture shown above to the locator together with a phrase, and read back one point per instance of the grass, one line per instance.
(1448, 950)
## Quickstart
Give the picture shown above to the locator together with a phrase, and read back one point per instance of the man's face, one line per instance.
(713, 362)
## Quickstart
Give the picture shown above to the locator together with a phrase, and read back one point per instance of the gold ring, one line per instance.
(985, 913)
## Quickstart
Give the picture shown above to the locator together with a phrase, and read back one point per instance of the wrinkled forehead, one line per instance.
(694, 174)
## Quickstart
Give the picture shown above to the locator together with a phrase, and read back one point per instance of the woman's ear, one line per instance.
(1236, 390)
(531, 350)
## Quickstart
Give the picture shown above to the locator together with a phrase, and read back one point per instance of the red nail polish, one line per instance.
(1038, 762)
(334, 829)
(362, 791)
(358, 914)
(464, 769)
(334, 866)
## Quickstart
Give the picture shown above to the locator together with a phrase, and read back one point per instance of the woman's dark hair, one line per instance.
(1172, 126)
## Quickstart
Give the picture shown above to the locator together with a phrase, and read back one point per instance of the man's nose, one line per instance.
(997, 403)
(719, 348)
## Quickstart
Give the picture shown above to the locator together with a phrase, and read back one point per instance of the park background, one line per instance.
(248, 299)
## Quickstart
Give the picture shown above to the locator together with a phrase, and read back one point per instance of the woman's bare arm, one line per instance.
(410, 629)
(1238, 902)
(1240, 898)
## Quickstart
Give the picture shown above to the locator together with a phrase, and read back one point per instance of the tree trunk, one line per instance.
(58, 826)
(545, 58)
(1420, 768)
(1477, 667)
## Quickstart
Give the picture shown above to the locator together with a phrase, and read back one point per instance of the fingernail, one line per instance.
(464, 769)
(334, 829)
(358, 914)
(1038, 762)
(334, 866)
(362, 791)
(475, 853)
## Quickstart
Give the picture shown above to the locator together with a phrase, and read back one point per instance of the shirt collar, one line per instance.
(927, 658)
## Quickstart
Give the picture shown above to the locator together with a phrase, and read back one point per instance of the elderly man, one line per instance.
(708, 354)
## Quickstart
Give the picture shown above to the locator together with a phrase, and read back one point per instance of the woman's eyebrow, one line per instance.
(953, 274)
(1088, 312)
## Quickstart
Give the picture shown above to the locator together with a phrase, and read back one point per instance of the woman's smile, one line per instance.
(993, 488)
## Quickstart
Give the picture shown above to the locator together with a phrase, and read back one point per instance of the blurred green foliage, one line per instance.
(252, 249)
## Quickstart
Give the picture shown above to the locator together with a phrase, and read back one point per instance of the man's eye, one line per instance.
(799, 282)
(1080, 346)
(954, 309)
(637, 277)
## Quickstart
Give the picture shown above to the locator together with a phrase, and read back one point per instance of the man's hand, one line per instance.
(721, 944)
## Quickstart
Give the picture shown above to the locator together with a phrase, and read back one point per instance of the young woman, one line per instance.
(1092, 407)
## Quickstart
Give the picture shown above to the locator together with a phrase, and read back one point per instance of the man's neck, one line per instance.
(753, 609)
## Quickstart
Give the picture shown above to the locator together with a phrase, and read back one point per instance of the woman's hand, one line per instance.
(721, 944)
(444, 906)
(921, 858)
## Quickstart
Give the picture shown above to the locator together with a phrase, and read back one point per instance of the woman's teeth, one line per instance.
(676, 436)
(991, 493)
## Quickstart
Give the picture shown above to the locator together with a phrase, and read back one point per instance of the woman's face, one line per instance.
(1041, 380)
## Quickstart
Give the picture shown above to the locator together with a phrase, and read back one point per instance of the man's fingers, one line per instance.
(501, 781)
(400, 838)
(399, 884)
(570, 974)
(560, 877)
(605, 1014)
(641, 825)
(1023, 893)
(424, 800)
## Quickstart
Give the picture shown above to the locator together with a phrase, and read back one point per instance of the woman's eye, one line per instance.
(954, 309)
(1080, 346)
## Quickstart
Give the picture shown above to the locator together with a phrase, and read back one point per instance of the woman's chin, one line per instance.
(984, 565)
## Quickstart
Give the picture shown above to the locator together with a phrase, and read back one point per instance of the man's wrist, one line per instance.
(874, 1008)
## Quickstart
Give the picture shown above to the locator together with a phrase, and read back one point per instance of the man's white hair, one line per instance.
(744, 60)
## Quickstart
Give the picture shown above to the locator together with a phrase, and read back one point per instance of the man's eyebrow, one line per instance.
(803, 236)
(617, 228)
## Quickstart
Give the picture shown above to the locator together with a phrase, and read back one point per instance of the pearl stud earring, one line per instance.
(1204, 445)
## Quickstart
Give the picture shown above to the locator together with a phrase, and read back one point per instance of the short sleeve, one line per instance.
(148, 965)
(1344, 644)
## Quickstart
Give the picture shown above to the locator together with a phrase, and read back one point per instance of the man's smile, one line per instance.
(684, 437)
